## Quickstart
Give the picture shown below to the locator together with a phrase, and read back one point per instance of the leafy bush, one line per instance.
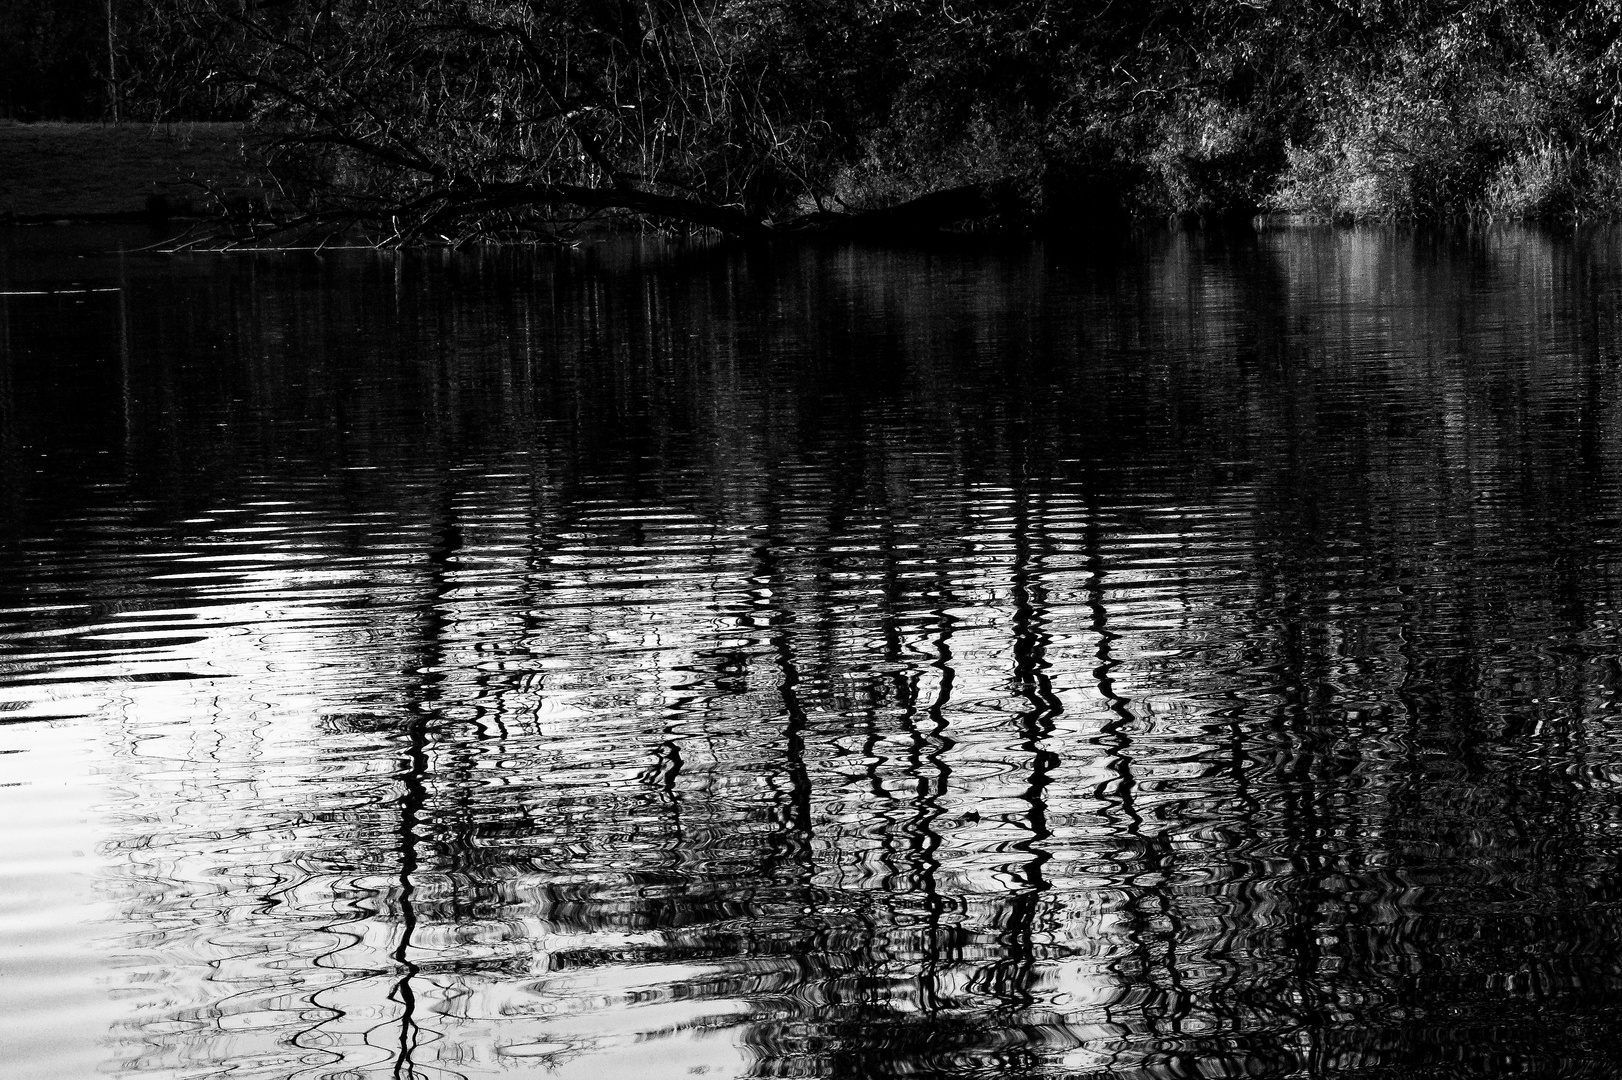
(1533, 181)
(1212, 159)
(462, 119)
(1474, 120)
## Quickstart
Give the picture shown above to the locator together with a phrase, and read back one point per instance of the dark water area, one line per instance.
(1195, 658)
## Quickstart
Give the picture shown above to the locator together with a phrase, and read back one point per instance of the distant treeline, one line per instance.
(457, 119)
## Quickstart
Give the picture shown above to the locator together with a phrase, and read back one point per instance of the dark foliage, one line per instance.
(463, 119)
(53, 59)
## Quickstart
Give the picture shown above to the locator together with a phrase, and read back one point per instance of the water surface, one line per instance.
(1194, 657)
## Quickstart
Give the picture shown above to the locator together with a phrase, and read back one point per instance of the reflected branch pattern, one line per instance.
(1197, 658)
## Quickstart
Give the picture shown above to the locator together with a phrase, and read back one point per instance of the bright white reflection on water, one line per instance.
(1193, 658)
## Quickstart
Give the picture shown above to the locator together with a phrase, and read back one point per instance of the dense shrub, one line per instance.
(460, 118)
(1211, 159)
(1483, 117)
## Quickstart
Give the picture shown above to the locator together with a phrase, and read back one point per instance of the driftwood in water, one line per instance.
(536, 210)
(926, 214)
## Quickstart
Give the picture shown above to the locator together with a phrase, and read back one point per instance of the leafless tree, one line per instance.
(457, 120)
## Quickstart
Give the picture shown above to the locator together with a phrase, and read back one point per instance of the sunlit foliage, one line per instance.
(460, 119)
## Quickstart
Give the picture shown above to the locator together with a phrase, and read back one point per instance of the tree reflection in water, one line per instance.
(828, 662)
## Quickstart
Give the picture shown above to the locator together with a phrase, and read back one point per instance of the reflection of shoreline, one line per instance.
(1061, 693)
(478, 691)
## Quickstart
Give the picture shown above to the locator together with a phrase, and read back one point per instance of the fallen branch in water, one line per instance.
(448, 123)
(557, 213)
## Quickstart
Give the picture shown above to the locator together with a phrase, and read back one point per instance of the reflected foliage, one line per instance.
(1195, 658)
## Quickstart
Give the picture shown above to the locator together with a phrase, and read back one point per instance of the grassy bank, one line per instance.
(89, 171)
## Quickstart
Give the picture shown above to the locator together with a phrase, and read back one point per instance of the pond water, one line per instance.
(1194, 656)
